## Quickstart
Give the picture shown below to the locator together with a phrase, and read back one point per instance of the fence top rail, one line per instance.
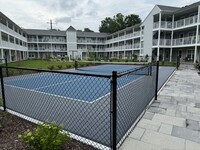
(61, 72)
(132, 70)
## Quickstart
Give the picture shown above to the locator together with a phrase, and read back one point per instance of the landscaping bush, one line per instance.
(51, 67)
(60, 67)
(1, 102)
(47, 136)
(68, 66)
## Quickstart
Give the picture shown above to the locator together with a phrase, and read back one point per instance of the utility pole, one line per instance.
(51, 24)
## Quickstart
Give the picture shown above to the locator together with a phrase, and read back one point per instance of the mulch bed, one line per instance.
(11, 126)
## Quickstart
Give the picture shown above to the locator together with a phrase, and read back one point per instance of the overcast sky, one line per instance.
(80, 14)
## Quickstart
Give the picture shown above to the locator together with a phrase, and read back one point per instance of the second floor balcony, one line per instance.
(184, 41)
(175, 42)
(164, 24)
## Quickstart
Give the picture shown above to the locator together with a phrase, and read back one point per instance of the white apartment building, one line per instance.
(167, 32)
(13, 40)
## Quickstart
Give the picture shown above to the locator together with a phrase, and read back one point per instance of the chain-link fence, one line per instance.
(97, 107)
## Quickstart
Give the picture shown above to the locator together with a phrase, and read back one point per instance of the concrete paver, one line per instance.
(163, 140)
(185, 133)
(192, 145)
(166, 128)
(173, 121)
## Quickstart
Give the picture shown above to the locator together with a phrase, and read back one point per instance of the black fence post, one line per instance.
(113, 111)
(178, 62)
(150, 69)
(2, 89)
(6, 62)
(75, 64)
(157, 73)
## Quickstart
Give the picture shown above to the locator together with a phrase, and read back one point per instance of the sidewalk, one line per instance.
(173, 121)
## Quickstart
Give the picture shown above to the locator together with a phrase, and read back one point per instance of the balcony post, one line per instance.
(197, 33)
(158, 49)
(172, 34)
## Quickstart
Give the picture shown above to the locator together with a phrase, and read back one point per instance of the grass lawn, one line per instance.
(167, 63)
(41, 64)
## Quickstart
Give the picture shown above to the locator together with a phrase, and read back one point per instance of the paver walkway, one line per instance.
(173, 121)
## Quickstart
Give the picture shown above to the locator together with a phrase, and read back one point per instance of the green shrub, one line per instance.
(60, 67)
(1, 102)
(51, 67)
(68, 66)
(47, 136)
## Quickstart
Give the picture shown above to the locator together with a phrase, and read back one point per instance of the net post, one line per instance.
(113, 111)
(157, 72)
(2, 89)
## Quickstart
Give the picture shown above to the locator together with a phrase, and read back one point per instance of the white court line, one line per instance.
(58, 83)
(20, 77)
(69, 98)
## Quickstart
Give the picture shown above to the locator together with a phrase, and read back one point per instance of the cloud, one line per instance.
(63, 20)
(78, 13)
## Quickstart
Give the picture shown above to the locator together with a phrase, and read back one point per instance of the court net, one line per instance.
(121, 68)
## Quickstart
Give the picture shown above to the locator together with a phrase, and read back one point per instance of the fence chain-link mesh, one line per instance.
(135, 90)
(80, 102)
(83, 102)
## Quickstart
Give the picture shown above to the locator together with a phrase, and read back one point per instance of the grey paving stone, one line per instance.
(185, 133)
(155, 104)
(157, 110)
(148, 115)
(192, 124)
(197, 105)
(192, 145)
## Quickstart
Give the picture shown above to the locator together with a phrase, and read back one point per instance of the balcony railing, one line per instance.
(185, 22)
(9, 45)
(46, 49)
(12, 32)
(90, 41)
(184, 41)
(164, 24)
(165, 42)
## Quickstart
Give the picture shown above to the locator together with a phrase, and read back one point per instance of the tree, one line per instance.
(132, 19)
(105, 25)
(87, 30)
(118, 22)
(79, 30)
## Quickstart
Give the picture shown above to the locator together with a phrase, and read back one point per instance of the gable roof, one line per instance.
(71, 28)
(168, 8)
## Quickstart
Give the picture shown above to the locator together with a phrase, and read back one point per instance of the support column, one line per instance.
(158, 49)
(16, 56)
(172, 34)
(197, 35)
(124, 54)
(2, 53)
(20, 55)
(170, 55)
(118, 54)
(163, 59)
(10, 56)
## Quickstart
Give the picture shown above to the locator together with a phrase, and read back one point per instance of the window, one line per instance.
(11, 38)
(4, 36)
